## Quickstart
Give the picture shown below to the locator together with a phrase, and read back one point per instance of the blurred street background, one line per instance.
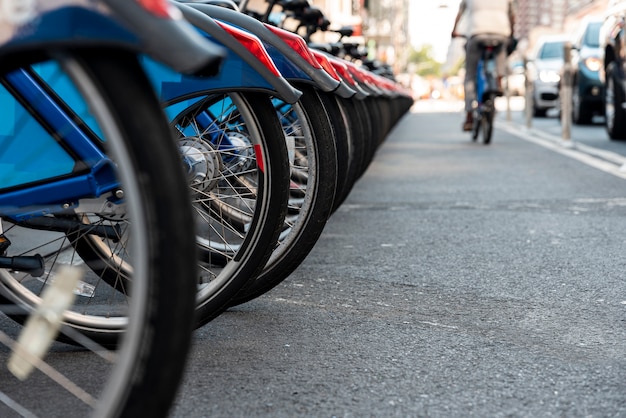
(457, 280)
(413, 36)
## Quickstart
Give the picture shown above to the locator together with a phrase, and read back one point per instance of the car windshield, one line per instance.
(551, 50)
(592, 35)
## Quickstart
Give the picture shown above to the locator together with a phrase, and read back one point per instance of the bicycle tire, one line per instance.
(338, 119)
(354, 131)
(238, 174)
(371, 132)
(152, 340)
(241, 212)
(316, 154)
(487, 122)
(476, 124)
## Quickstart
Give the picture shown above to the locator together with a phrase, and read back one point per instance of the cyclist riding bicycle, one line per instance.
(487, 20)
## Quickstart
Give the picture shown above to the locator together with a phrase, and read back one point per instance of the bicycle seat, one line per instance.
(331, 48)
(356, 50)
(490, 43)
(345, 31)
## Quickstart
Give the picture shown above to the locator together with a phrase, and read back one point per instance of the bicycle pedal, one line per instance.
(5, 243)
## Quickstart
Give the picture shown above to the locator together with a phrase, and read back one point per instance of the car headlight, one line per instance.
(593, 63)
(549, 76)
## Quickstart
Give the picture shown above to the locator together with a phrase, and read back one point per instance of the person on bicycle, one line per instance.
(487, 20)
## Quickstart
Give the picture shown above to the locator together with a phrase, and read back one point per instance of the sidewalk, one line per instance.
(456, 280)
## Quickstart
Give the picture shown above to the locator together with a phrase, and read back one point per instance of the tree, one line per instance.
(425, 64)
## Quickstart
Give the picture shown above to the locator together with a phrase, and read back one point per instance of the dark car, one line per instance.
(612, 43)
(587, 88)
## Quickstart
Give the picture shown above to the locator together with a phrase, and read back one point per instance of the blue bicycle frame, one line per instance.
(242, 71)
(61, 169)
(74, 166)
(484, 83)
(486, 92)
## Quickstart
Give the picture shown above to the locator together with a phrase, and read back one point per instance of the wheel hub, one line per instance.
(202, 163)
(243, 155)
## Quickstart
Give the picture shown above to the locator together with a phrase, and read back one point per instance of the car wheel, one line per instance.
(613, 101)
(539, 112)
(581, 114)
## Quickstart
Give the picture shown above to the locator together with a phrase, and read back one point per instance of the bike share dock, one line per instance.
(457, 279)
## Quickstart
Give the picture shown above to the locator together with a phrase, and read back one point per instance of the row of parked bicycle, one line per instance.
(111, 245)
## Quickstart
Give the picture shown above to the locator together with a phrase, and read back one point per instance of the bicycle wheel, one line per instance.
(313, 188)
(148, 334)
(476, 124)
(357, 132)
(234, 152)
(238, 172)
(487, 121)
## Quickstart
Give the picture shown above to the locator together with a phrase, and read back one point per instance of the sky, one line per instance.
(430, 23)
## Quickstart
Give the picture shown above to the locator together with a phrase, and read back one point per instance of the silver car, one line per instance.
(545, 66)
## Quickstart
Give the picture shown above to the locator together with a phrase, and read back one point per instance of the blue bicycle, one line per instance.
(84, 149)
(484, 109)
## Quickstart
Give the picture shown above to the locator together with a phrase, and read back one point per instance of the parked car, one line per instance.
(612, 41)
(587, 87)
(544, 69)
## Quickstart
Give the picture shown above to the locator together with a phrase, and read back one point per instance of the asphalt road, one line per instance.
(456, 280)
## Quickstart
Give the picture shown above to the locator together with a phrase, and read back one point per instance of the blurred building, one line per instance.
(382, 25)
(339, 12)
(386, 28)
(578, 9)
(537, 17)
(535, 13)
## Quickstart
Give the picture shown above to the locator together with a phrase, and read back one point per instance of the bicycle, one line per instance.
(313, 126)
(486, 93)
(75, 171)
(484, 108)
(327, 103)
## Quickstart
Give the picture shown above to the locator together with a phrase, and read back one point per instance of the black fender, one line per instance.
(319, 76)
(207, 24)
(120, 24)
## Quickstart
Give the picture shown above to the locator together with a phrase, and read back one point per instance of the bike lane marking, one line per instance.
(606, 161)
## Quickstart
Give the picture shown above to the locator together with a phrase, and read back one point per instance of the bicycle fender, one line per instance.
(75, 23)
(173, 42)
(320, 77)
(217, 34)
